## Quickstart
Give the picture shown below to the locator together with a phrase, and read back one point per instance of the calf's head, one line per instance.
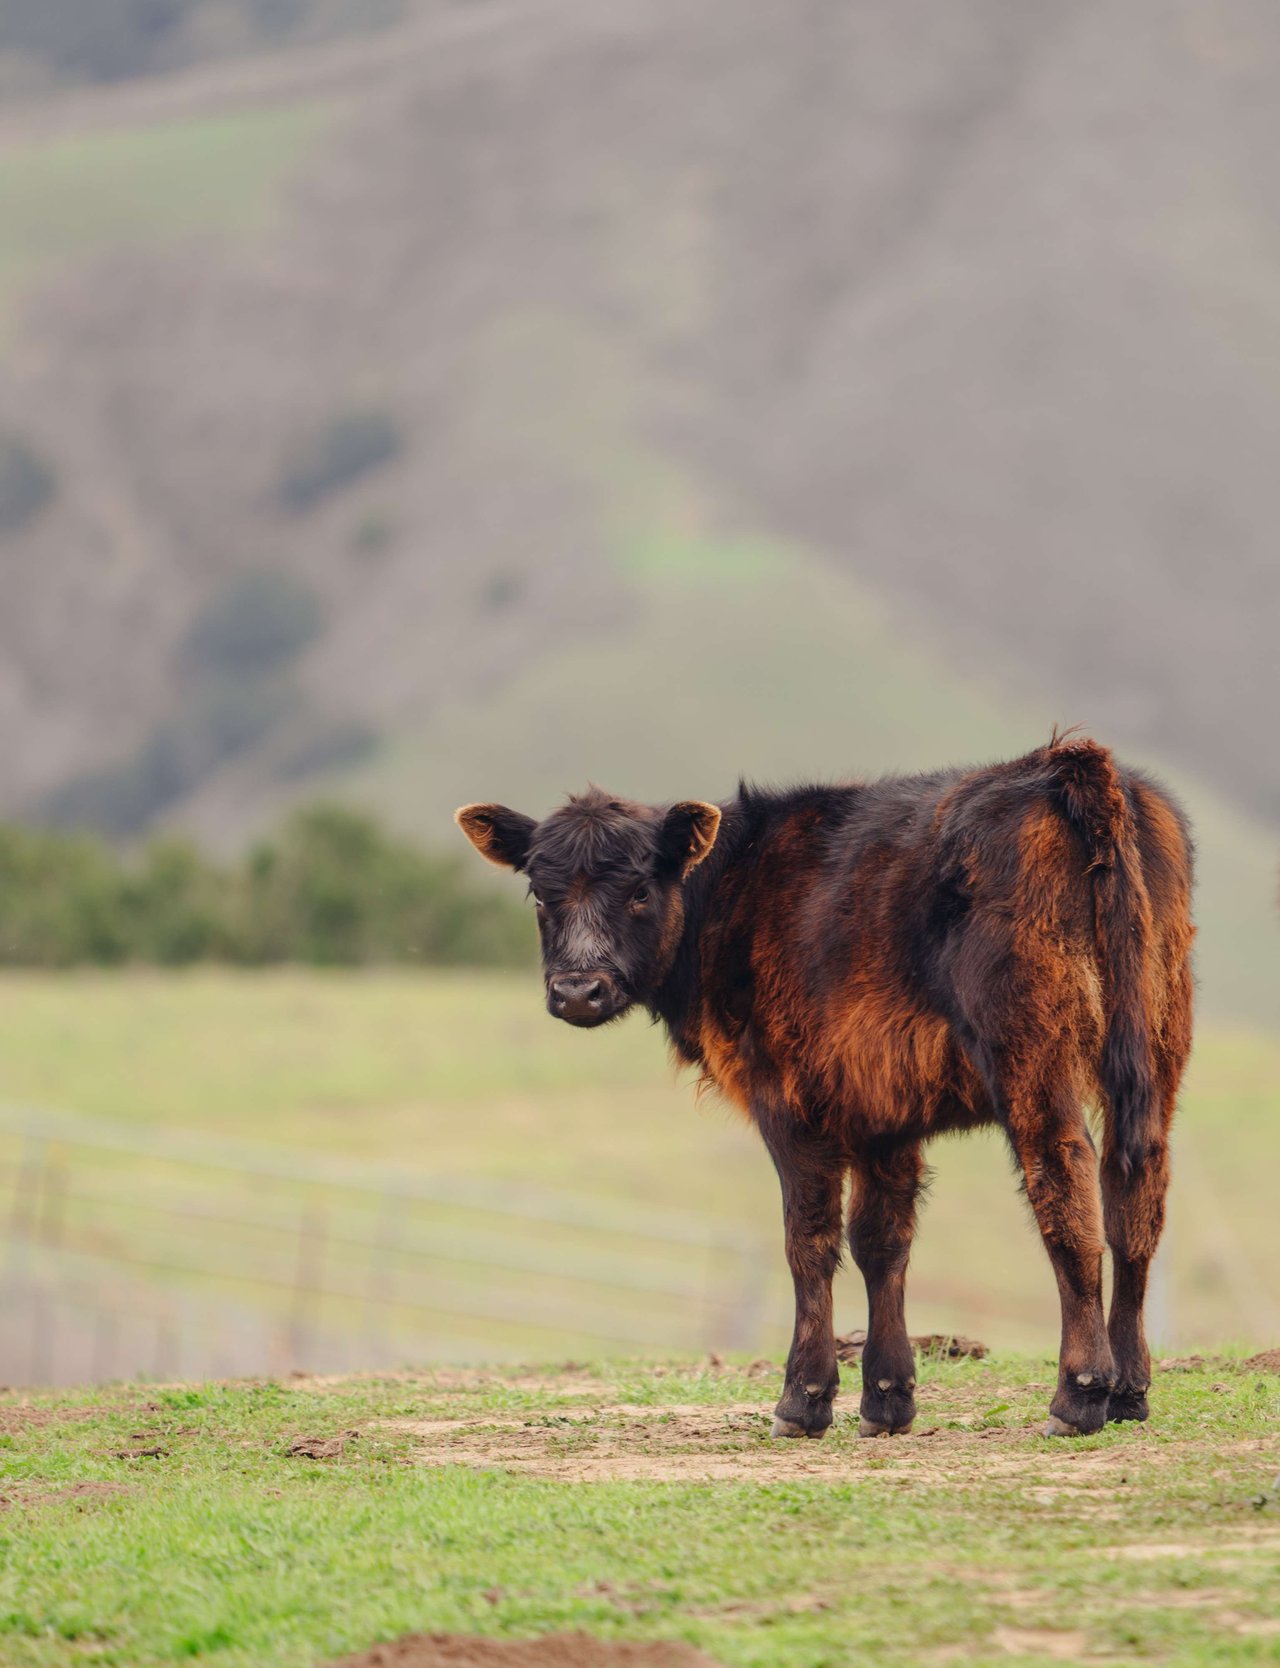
(607, 879)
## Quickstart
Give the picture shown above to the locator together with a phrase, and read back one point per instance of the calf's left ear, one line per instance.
(688, 834)
(500, 835)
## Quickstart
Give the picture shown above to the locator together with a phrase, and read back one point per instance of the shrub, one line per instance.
(331, 887)
(258, 622)
(340, 452)
(176, 904)
(27, 483)
(61, 901)
(334, 887)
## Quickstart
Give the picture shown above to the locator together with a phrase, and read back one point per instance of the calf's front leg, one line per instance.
(812, 1178)
(882, 1223)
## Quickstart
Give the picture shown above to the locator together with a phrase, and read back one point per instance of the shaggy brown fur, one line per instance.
(863, 967)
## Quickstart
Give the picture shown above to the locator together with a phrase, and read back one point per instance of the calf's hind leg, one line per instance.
(882, 1224)
(1133, 1202)
(1059, 1166)
(812, 1178)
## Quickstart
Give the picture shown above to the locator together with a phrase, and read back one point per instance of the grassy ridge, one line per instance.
(976, 1541)
(464, 1075)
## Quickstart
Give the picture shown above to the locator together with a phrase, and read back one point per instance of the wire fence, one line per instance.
(135, 1251)
(131, 1251)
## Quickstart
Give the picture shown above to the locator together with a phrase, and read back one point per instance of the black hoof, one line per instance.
(888, 1409)
(1127, 1403)
(1080, 1406)
(805, 1410)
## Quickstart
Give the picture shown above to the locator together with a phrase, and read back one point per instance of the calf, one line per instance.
(862, 967)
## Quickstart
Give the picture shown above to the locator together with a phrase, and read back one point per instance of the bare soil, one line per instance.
(553, 1650)
(683, 1442)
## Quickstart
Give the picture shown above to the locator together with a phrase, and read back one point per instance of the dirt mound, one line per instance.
(1267, 1362)
(553, 1650)
(950, 1346)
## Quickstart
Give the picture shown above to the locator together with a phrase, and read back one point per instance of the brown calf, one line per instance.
(862, 967)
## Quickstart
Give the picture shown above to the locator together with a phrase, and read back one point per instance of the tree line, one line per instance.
(330, 887)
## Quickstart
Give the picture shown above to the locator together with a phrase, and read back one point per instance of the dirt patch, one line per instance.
(678, 1442)
(1029, 1641)
(22, 1416)
(553, 1650)
(82, 1493)
(1267, 1362)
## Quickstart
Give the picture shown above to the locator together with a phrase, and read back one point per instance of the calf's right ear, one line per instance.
(500, 835)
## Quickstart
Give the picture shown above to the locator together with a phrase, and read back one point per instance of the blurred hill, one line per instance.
(526, 392)
(55, 43)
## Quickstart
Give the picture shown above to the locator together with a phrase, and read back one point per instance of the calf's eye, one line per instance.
(640, 895)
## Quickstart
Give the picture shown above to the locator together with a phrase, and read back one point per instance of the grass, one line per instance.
(74, 198)
(974, 1542)
(465, 1076)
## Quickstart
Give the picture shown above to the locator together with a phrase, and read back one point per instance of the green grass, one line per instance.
(69, 199)
(1159, 1544)
(465, 1076)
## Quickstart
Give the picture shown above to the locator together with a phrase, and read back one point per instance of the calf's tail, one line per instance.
(1095, 803)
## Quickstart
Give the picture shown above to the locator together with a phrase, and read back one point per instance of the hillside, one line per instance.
(619, 392)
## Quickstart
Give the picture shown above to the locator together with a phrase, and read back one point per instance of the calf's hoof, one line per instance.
(1053, 1426)
(872, 1427)
(1080, 1406)
(888, 1409)
(789, 1427)
(1127, 1403)
(805, 1410)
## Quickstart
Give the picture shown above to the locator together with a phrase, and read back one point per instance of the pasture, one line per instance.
(290, 1523)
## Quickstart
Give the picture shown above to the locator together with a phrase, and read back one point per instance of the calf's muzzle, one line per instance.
(583, 998)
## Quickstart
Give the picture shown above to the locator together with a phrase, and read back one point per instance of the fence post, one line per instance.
(312, 1232)
(378, 1281)
(746, 1304)
(23, 1211)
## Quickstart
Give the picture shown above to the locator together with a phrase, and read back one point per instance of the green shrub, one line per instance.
(257, 623)
(330, 887)
(334, 887)
(61, 900)
(336, 454)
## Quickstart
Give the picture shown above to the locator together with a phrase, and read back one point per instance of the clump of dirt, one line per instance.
(553, 1650)
(320, 1447)
(1267, 1362)
(952, 1346)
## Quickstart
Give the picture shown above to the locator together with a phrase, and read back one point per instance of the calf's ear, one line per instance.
(688, 834)
(500, 835)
